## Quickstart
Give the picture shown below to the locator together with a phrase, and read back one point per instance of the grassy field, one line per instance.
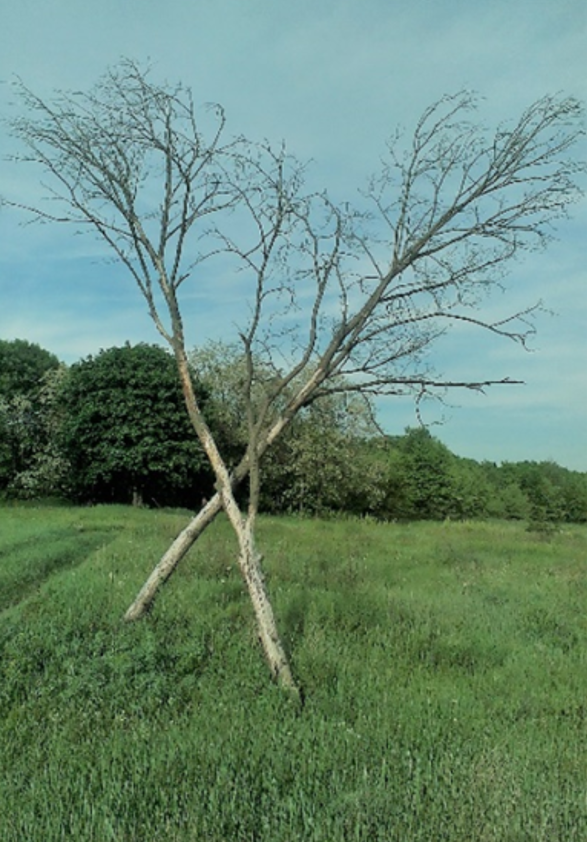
(444, 666)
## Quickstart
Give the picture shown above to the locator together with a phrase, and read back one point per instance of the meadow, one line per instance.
(444, 667)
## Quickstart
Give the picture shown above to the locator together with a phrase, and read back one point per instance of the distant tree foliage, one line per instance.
(113, 428)
(424, 480)
(126, 433)
(322, 462)
(333, 459)
(37, 466)
(22, 366)
(26, 372)
(414, 477)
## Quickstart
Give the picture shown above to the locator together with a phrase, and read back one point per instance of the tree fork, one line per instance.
(190, 534)
(250, 566)
(249, 560)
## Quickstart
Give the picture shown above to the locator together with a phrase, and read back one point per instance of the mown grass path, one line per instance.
(444, 665)
(31, 550)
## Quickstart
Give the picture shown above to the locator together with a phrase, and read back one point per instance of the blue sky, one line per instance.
(333, 79)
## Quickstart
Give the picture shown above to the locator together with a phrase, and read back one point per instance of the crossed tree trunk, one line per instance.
(249, 559)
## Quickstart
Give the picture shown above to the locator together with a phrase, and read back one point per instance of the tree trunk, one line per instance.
(195, 527)
(249, 559)
(250, 565)
(172, 557)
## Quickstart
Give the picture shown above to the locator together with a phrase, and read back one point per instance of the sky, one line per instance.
(333, 78)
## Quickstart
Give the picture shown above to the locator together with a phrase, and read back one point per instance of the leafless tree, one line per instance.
(340, 298)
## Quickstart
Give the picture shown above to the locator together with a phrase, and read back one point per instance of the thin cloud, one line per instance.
(334, 79)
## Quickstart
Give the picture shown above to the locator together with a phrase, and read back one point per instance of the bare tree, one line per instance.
(340, 299)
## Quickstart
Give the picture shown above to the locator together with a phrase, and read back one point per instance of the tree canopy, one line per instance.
(27, 375)
(22, 366)
(125, 431)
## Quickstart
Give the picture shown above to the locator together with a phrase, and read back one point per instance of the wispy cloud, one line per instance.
(333, 78)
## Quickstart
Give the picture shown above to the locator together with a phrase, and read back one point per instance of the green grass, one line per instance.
(32, 549)
(444, 667)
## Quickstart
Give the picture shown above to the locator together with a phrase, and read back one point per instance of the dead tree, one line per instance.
(340, 298)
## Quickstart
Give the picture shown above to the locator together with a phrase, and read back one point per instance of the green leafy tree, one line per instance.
(42, 470)
(506, 499)
(22, 366)
(429, 486)
(545, 485)
(471, 489)
(325, 462)
(13, 413)
(322, 463)
(125, 431)
(575, 497)
(393, 504)
(25, 371)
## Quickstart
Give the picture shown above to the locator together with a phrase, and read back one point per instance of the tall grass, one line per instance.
(444, 668)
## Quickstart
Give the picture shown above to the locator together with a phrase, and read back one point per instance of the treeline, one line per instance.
(416, 477)
(113, 428)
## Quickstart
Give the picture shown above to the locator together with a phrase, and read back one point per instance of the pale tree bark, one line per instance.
(172, 557)
(250, 565)
(249, 560)
(341, 300)
(190, 534)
